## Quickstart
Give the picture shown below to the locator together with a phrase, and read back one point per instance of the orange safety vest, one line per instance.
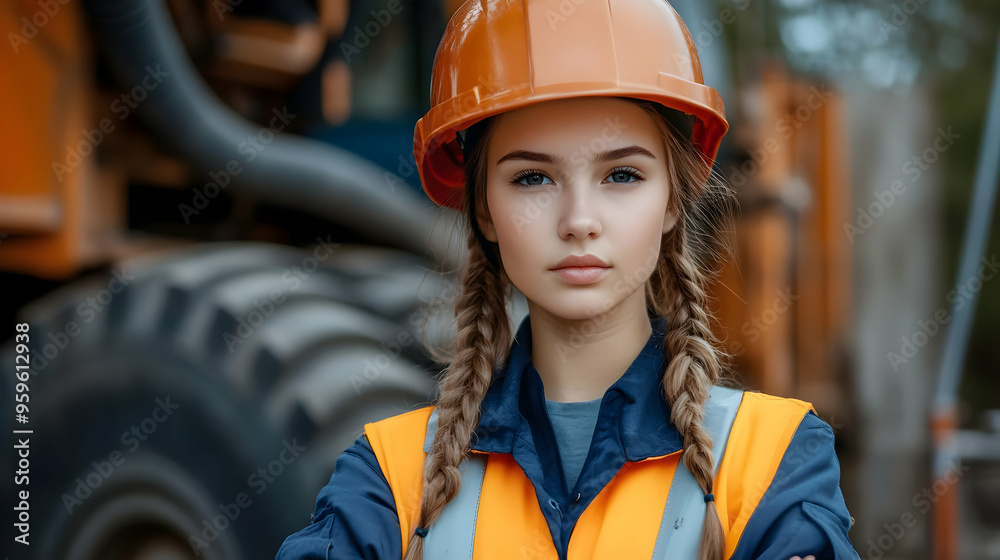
(624, 520)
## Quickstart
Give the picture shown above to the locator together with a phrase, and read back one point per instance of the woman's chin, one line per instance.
(576, 309)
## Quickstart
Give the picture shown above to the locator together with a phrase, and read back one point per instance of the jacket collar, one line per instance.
(634, 415)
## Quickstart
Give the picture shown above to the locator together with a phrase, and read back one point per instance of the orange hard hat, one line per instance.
(499, 55)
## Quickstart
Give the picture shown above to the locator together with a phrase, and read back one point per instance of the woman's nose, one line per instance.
(579, 210)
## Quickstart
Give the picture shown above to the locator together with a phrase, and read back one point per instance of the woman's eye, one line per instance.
(530, 178)
(623, 175)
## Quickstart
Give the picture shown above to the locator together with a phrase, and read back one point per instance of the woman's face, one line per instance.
(578, 177)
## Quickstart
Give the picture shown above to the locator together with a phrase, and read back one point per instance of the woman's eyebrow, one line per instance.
(530, 156)
(609, 155)
(625, 152)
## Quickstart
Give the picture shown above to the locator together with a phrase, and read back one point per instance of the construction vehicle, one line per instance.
(189, 398)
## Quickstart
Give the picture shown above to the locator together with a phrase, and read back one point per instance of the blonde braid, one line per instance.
(693, 367)
(481, 344)
(677, 291)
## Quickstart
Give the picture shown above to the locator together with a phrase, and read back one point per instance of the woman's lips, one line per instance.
(581, 274)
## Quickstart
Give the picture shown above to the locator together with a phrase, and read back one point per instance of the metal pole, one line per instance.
(977, 229)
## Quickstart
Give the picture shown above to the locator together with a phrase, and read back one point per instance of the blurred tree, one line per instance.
(948, 45)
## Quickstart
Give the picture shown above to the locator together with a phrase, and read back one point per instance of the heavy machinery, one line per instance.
(189, 398)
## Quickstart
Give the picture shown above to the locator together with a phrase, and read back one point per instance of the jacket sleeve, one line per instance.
(355, 516)
(803, 510)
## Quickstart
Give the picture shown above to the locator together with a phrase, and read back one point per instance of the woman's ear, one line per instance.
(486, 225)
(669, 220)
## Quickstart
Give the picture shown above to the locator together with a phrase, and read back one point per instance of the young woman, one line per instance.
(577, 139)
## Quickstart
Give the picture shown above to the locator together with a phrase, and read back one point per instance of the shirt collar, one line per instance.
(515, 401)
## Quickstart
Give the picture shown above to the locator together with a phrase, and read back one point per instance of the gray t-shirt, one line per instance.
(573, 424)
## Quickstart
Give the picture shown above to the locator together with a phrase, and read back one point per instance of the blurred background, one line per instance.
(211, 222)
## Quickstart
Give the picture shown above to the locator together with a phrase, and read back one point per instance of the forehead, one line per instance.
(585, 124)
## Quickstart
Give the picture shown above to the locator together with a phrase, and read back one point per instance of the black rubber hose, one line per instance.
(143, 50)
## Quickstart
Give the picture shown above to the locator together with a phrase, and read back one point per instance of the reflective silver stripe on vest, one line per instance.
(451, 537)
(684, 513)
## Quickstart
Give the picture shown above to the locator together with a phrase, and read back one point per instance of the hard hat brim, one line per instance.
(439, 159)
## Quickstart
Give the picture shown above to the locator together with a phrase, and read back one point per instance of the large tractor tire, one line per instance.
(202, 398)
